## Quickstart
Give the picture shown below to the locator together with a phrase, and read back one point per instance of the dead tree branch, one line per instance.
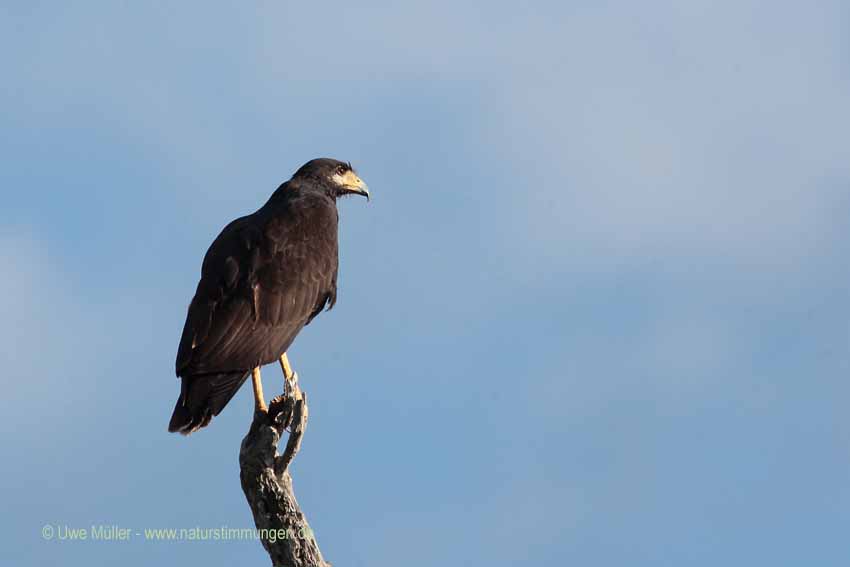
(267, 484)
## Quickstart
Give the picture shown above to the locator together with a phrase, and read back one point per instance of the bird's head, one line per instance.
(336, 177)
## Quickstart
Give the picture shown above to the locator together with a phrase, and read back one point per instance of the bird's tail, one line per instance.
(203, 396)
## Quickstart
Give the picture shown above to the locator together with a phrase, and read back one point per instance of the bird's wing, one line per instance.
(261, 282)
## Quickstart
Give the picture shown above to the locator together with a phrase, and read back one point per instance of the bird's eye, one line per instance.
(340, 169)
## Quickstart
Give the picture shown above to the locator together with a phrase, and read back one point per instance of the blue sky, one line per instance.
(597, 313)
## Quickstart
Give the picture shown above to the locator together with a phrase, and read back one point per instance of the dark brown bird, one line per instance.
(264, 278)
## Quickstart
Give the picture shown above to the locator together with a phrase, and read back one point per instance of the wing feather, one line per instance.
(262, 280)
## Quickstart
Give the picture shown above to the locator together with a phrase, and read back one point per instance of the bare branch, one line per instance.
(268, 485)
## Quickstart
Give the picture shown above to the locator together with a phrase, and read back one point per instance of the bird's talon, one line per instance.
(292, 388)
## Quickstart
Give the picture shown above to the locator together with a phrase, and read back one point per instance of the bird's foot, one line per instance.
(293, 390)
(282, 408)
(288, 412)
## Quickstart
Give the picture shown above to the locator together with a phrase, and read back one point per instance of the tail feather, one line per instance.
(203, 396)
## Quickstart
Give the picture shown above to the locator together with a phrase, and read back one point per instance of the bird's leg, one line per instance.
(259, 399)
(290, 378)
(290, 412)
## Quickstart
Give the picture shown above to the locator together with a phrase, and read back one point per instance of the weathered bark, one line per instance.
(267, 484)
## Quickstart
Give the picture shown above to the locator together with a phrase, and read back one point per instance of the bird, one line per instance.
(263, 279)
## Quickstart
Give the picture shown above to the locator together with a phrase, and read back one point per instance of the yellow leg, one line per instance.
(290, 377)
(259, 400)
(287, 369)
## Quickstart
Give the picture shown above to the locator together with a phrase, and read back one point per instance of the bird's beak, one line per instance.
(361, 188)
(353, 184)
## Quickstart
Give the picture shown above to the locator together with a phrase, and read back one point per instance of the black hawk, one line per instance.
(264, 278)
